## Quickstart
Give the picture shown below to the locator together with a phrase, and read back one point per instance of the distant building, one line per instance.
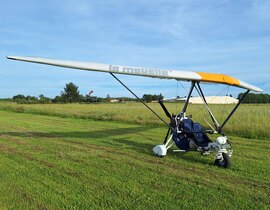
(214, 100)
(209, 100)
(114, 100)
(175, 99)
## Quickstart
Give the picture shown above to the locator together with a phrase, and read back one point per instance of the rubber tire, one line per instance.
(160, 156)
(225, 163)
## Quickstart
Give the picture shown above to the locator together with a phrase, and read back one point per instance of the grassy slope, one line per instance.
(52, 162)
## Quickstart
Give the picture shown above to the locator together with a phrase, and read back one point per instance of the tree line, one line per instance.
(253, 98)
(71, 94)
(149, 97)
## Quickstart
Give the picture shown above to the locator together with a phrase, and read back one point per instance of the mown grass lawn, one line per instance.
(49, 162)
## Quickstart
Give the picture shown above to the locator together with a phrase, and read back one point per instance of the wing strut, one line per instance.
(234, 109)
(200, 92)
(219, 127)
(142, 102)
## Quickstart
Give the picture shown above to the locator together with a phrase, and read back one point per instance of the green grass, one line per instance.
(51, 162)
(249, 121)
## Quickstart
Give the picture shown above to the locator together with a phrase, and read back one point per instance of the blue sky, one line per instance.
(225, 36)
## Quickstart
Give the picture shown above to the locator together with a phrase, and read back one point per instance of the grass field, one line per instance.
(69, 157)
(249, 121)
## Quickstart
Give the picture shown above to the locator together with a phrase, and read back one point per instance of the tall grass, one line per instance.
(251, 121)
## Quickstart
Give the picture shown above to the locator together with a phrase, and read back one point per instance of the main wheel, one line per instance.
(225, 162)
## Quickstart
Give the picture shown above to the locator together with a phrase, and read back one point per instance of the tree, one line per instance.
(31, 98)
(71, 93)
(44, 100)
(19, 96)
(149, 97)
(108, 98)
(58, 99)
(25, 99)
(90, 99)
(255, 98)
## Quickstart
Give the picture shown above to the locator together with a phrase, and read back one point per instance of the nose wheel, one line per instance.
(224, 161)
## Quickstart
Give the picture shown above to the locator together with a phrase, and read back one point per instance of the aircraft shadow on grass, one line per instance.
(113, 137)
(141, 147)
(97, 134)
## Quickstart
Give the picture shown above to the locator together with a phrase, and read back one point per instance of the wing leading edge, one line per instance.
(141, 71)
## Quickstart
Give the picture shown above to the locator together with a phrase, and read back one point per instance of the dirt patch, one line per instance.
(46, 163)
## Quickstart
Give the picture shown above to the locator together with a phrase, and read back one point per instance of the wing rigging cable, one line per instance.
(148, 107)
(212, 99)
(179, 82)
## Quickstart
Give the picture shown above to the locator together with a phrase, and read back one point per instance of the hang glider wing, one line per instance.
(146, 72)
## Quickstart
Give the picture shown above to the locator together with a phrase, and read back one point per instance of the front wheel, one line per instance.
(224, 162)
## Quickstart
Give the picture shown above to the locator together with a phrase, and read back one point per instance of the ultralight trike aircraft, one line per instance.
(182, 131)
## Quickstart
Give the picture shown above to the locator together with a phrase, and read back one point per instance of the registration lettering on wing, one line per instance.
(138, 71)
